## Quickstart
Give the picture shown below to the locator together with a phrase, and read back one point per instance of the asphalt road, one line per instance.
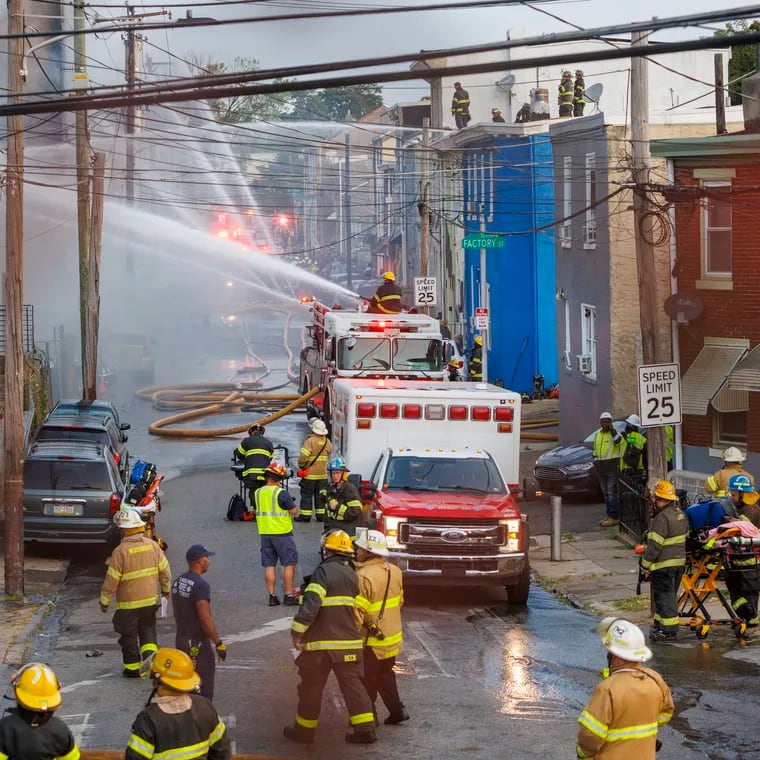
(480, 679)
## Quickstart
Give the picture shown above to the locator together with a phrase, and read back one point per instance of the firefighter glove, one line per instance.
(221, 651)
(104, 608)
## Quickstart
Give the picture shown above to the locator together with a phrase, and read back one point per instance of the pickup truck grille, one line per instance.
(453, 537)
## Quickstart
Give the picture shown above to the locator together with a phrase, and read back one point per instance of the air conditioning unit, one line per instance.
(567, 360)
(584, 363)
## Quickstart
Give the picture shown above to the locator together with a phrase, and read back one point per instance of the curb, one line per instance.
(17, 649)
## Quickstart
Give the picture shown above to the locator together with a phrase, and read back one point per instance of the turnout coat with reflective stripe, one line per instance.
(666, 539)
(256, 451)
(20, 741)
(314, 454)
(387, 299)
(194, 733)
(373, 579)
(620, 721)
(717, 483)
(326, 620)
(136, 567)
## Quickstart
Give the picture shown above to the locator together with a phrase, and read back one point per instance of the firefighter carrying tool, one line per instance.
(326, 634)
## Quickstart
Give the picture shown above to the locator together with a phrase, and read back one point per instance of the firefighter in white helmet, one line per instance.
(717, 484)
(626, 709)
(378, 612)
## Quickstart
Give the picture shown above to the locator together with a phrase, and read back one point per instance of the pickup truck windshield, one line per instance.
(417, 354)
(409, 473)
(364, 353)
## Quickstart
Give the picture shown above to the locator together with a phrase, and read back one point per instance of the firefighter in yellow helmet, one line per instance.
(626, 709)
(177, 721)
(30, 730)
(475, 367)
(717, 483)
(326, 634)
(665, 558)
(387, 298)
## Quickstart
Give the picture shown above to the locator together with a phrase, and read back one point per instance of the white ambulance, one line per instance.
(369, 416)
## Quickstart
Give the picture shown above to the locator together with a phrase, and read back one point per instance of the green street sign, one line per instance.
(483, 240)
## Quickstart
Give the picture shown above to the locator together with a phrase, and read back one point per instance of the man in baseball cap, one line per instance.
(198, 551)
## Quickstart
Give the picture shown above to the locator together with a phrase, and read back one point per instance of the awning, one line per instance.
(745, 376)
(707, 375)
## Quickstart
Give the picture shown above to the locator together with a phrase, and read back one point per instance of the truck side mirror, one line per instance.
(368, 491)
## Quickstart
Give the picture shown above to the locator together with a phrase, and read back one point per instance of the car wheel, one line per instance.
(518, 594)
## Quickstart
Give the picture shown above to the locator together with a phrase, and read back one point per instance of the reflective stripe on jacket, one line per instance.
(195, 733)
(136, 568)
(566, 88)
(608, 444)
(348, 513)
(256, 451)
(460, 103)
(326, 619)
(271, 518)
(373, 580)
(475, 365)
(20, 741)
(315, 454)
(387, 298)
(717, 484)
(620, 721)
(666, 540)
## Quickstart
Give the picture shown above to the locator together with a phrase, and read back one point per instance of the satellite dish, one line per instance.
(593, 93)
(505, 84)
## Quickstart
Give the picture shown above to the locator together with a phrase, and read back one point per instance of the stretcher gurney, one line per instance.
(706, 563)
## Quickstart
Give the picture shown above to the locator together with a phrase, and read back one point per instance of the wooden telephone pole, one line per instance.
(644, 235)
(424, 193)
(13, 429)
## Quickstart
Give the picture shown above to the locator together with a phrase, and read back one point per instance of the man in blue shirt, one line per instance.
(196, 630)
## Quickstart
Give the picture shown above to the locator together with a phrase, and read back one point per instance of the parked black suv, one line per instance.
(71, 492)
(85, 427)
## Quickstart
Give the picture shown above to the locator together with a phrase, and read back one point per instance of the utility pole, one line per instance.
(720, 96)
(13, 430)
(424, 193)
(83, 209)
(347, 214)
(644, 235)
(93, 269)
(131, 77)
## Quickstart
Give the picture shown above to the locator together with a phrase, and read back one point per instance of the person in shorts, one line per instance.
(275, 509)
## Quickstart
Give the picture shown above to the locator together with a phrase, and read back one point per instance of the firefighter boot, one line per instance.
(365, 736)
(298, 734)
(397, 717)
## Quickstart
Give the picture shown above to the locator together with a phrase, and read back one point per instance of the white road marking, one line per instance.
(79, 725)
(273, 626)
(79, 684)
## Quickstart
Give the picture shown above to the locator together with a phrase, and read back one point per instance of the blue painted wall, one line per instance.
(512, 179)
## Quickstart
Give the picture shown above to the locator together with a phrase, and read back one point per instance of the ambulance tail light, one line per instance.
(411, 412)
(457, 412)
(388, 411)
(366, 411)
(363, 424)
(435, 412)
(504, 427)
(480, 413)
(503, 414)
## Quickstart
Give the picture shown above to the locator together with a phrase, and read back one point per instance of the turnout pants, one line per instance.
(253, 484)
(312, 497)
(203, 656)
(665, 585)
(379, 678)
(313, 670)
(743, 588)
(137, 635)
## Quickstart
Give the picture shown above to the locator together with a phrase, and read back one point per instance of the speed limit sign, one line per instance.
(659, 394)
(425, 291)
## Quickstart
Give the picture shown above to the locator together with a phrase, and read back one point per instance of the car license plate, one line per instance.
(64, 510)
(453, 568)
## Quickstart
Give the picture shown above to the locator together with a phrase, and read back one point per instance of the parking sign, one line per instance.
(659, 394)
(481, 318)
(425, 291)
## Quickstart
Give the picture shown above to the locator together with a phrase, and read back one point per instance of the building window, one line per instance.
(587, 358)
(566, 228)
(730, 427)
(589, 228)
(717, 228)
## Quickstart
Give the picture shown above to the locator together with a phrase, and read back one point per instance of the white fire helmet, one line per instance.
(128, 518)
(634, 419)
(623, 639)
(732, 454)
(373, 542)
(318, 427)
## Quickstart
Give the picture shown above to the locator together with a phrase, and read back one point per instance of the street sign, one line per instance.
(659, 394)
(481, 318)
(483, 240)
(425, 291)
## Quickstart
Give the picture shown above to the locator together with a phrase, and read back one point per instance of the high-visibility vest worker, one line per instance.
(273, 506)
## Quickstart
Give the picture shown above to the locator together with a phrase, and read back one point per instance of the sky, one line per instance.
(311, 41)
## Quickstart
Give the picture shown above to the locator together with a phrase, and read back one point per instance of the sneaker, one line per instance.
(273, 600)
(660, 635)
(361, 737)
(397, 717)
(608, 522)
(298, 734)
(130, 673)
(290, 600)
(302, 518)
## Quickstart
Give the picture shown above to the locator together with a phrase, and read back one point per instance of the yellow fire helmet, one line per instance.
(338, 541)
(36, 688)
(478, 340)
(174, 669)
(389, 276)
(665, 490)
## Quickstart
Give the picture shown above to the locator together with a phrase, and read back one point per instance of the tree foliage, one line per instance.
(742, 59)
(337, 104)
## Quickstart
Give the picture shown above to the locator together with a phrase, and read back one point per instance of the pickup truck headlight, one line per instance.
(513, 529)
(579, 467)
(392, 528)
